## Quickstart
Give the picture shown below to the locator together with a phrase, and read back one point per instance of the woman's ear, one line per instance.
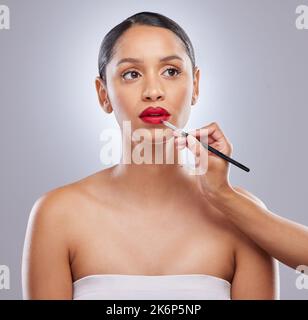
(102, 95)
(195, 86)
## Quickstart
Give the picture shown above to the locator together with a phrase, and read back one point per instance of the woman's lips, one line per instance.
(155, 119)
(154, 115)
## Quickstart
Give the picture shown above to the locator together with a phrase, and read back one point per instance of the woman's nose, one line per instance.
(153, 91)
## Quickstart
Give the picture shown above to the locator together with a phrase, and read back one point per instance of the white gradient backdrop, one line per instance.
(254, 74)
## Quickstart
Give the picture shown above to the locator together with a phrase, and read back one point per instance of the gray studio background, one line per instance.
(254, 73)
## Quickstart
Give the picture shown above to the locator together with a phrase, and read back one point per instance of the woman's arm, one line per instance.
(283, 239)
(45, 264)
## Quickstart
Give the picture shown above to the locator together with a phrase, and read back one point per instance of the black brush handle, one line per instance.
(221, 155)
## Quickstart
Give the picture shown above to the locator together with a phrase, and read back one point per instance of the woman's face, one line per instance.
(133, 86)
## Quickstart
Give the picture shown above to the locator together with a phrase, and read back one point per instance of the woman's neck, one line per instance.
(156, 169)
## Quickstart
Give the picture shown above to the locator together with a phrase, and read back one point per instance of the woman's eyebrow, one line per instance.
(134, 60)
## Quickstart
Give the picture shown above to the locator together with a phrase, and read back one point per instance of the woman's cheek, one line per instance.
(182, 90)
(126, 106)
(182, 100)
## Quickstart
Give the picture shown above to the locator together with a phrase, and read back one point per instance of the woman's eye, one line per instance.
(172, 71)
(133, 74)
(129, 72)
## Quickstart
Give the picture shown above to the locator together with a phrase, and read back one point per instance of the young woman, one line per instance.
(144, 230)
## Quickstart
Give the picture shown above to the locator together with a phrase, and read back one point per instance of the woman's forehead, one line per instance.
(143, 42)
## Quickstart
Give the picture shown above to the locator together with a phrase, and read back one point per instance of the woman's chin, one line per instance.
(152, 135)
(158, 139)
(155, 142)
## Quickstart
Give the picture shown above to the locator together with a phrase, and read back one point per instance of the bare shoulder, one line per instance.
(55, 200)
(242, 239)
(50, 214)
(227, 224)
(250, 196)
(64, 202)
(46, 255)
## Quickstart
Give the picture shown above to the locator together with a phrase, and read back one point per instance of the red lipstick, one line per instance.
(154, 115)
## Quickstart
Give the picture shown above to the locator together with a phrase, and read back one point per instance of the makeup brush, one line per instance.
(218, 153)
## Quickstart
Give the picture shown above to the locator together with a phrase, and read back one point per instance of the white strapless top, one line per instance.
(142, 287)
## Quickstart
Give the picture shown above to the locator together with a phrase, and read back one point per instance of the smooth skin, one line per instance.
(141, 219)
